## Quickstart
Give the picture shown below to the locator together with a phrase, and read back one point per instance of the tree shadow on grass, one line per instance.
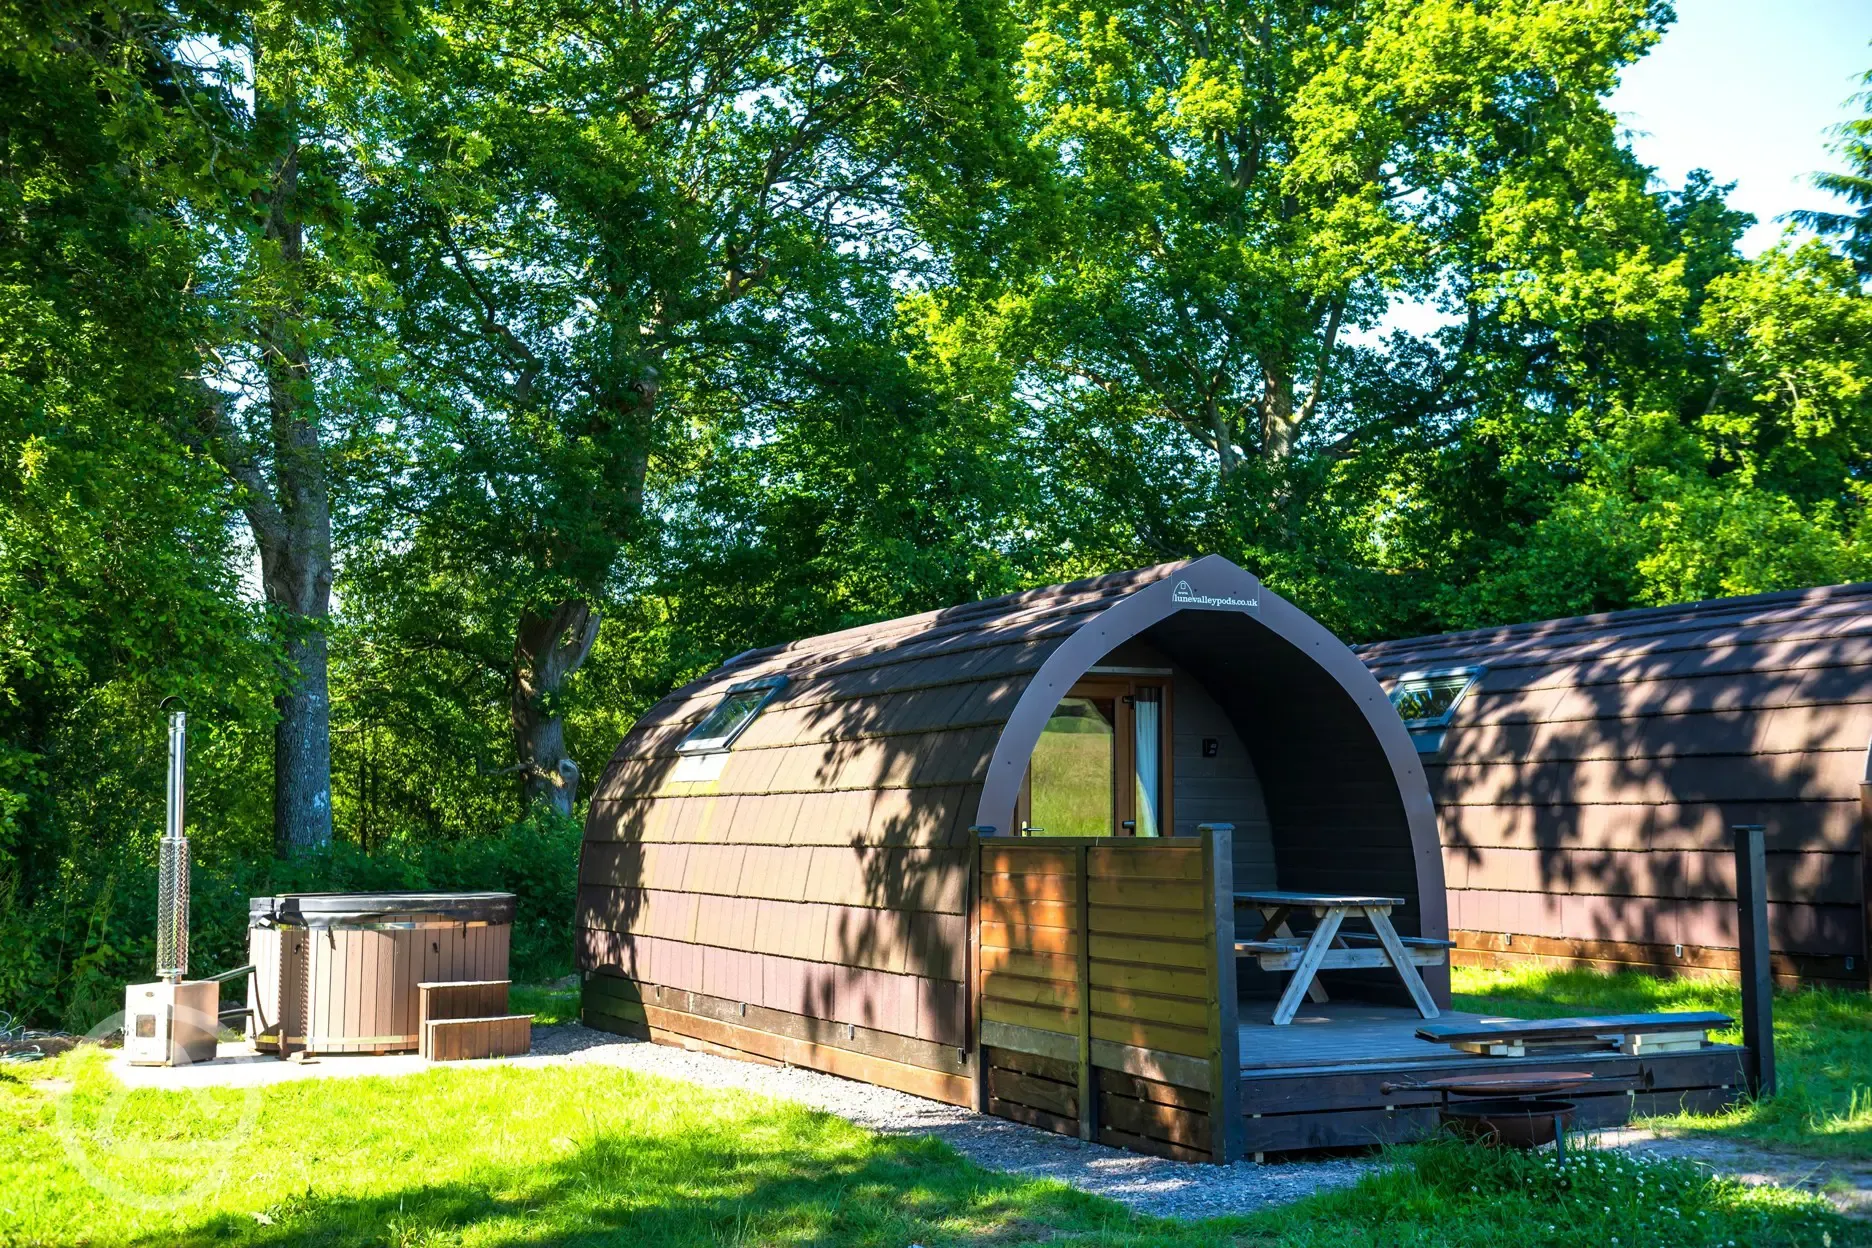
(708, 1188)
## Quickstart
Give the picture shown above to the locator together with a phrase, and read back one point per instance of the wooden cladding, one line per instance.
(353, 989)
(1585, 787)
(1106, 1010)
(475, 998)
(734, 1028)
(462, 1039)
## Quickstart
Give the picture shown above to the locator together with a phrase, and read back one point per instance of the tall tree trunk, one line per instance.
(1278, 424)
(1281, 424)
(295, 540)
(547, 650)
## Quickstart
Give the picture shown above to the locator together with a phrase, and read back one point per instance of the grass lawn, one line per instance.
(1823, 1048)
(590, 1155)
(547, 1004)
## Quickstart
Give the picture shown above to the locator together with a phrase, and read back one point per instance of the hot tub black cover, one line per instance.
(340, 909)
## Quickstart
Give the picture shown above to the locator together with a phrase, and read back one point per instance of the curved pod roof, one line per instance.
(911, 731)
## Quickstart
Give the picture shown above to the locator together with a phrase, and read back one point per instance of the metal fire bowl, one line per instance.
(1507, 1122)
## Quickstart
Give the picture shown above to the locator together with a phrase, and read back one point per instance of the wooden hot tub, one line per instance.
(337, 972)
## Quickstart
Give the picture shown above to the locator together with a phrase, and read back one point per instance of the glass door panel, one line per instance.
(1147, 726)
(1073, 769)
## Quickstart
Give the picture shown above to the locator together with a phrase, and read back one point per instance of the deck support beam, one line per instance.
(1228, 1132)
(1757, 969)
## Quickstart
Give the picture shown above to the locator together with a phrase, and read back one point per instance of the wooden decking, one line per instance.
(1319, 1082)
(1340, 1033)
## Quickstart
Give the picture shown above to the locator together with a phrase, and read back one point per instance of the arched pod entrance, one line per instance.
(1347, 803)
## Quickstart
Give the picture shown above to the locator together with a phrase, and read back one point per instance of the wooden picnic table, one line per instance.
(1326, 948)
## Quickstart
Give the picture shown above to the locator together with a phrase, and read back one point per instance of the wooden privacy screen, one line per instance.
(1106, 1009)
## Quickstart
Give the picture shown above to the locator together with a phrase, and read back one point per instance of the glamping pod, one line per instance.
(996, 855)
(1588, 771)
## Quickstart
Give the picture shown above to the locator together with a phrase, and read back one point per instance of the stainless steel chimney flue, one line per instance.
(172, 900)
(172, 1022)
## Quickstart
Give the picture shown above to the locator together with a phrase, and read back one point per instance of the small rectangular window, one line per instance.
(1429, 699)
(731, 715)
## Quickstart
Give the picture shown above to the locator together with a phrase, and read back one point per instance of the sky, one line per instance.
(1747, 89)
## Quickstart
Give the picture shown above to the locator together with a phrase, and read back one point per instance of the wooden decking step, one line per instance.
(461, 998)
(1509, 1031)
(461, 1039)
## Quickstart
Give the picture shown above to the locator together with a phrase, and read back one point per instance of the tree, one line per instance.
(1242, 184)
(288, 382)
(118, 573)
(1853, 227)
(626, 239)
(1242, 195)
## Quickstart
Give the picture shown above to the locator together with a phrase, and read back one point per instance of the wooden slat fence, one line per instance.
(1106, 1009)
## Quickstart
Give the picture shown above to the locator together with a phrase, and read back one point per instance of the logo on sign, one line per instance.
(1184, 595)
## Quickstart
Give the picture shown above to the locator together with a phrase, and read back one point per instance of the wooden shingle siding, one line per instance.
(913, 1005)
(1716, 778)
(1807, 877)
(1586, 787)
(1653, 920)
(1793, 827)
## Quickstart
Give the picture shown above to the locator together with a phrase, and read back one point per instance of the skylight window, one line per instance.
(1429, 699)
(731, 715)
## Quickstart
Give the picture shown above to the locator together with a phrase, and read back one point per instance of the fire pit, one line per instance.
(1514, 1122)
(1509, 1109)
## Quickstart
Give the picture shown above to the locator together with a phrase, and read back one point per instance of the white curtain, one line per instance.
(1149, 719)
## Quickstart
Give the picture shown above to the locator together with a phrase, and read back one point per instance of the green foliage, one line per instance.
(118, 576)
(76, 941)
(1447, 1192)
(590, 1155)
(1852, 227)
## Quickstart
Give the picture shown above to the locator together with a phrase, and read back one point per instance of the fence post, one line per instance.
(1751, 860)
(1865, 884)
(1088, 1078)
(1227, 1131)
(972, 994)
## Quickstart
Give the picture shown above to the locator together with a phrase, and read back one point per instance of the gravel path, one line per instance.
(1152, 1185)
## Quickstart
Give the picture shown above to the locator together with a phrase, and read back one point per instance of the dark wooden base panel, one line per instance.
(648, 1011)
(1507, 951)
(1029, 1088)
(1147, 1116)
(1143, 1115)
(1291, 1110)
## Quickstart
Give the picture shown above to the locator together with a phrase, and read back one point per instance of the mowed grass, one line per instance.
(1823, 1048)
(547, 1003)
(587, 1155)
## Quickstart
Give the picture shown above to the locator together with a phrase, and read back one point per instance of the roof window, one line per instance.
(731, 715)
(1429, 699)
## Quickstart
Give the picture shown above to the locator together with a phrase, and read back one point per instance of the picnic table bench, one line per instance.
(1328, 948)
